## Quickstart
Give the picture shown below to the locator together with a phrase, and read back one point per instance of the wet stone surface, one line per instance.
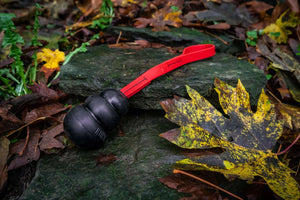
(142, 158)
(102, 67)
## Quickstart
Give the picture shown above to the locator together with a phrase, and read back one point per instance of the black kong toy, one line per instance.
(87, 125)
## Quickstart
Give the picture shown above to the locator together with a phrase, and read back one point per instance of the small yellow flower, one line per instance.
(51, 59)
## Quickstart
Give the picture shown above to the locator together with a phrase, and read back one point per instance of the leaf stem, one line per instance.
(176, 171)
(288, 148)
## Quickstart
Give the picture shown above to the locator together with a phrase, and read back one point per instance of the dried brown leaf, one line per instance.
(294, 5)
(4, 151)
(291, 115)
(258, 7)
(165, 17)
(222, 26)
(8, 121)
(141, 22)
(261, 63)
(44, 111)
(185, 184)
(49, 141)
(47, 92)
(31, 153)
(89, 7)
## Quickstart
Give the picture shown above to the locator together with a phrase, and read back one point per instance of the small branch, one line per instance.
(118, 40)
(288, 148)
(176, 171)
(26, 142)
(279, 149)
(32, 122)
(225, 42)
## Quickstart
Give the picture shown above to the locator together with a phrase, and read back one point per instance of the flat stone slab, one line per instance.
(142, 158)
(179, 37)
(102, 67)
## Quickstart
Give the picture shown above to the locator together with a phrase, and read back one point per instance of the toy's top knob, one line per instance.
(87, 125)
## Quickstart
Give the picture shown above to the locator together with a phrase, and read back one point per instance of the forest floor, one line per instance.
(270, 34)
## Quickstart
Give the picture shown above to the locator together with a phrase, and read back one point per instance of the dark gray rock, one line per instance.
(142, 158)
(179, 37)
(102, 67)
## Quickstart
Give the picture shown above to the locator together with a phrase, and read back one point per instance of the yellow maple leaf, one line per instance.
(247, 137)
(51, 59)
(165, 17)
(279, 31)
(174, 19)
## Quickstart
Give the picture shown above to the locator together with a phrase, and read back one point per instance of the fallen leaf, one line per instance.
(31, 153)
(141, 22)
(290, 113)
(89, 7)
(79, 25)
(103, 159)
(227, 12)
(294, 5)
(222, 26)
(161, 19)
(252, 53)
(293, 86)
(261, 63)
(48, 141)
(240, 33)
(258, 7)
(186, 184)
(124, 3)
(285, 93)
(52, 59)
(44, 111)
(286, 66)
(4, 151)
(279, 31)
(293, 43)
(247, 137)
(8, 120)
(46, 92)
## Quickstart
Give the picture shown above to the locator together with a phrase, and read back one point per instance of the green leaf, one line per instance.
(246, 137)
(252, 34)
(268, 76)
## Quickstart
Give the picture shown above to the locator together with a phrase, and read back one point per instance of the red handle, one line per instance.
(189, 54)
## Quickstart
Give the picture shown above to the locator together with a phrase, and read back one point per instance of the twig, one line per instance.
(269, 91)
(119, 38)
(288, 148)
(279, 149)
(26, 142)
(225, 42)
(176, 171)
(29, 123)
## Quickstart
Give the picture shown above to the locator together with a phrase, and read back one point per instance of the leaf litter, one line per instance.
(33, 124)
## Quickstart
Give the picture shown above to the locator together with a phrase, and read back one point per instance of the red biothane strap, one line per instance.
(189, 54)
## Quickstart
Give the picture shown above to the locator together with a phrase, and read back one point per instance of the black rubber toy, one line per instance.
(87, 125)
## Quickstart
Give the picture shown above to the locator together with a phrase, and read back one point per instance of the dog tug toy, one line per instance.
(87, 125)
